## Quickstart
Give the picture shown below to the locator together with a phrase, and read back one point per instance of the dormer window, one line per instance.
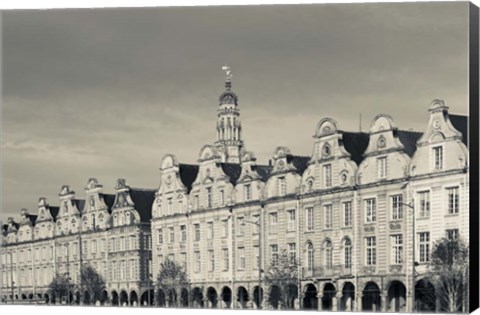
(169, 205)
(282, 183)
(382, 167)
(248, 192)
(438, 158)
(327, 175)
(209, 197)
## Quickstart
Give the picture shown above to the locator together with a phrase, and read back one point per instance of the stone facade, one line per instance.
(360, 215)
(108, 232)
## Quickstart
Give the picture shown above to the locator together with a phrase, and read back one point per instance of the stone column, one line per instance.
(359, 303)
(319, 299)
(383, 302)
(300, 300)
(337, 302)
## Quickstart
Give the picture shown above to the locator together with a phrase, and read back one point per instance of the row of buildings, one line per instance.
(360, 215)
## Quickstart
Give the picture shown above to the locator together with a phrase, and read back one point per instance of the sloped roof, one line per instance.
(143, 200)
(263, 171)
(32, 217)
(54, 212)
(232, 170)
(299, 162)
(355, 143)
(109, 200)
(409, 140)
(80, 203)
(460, 123)
(188, 174)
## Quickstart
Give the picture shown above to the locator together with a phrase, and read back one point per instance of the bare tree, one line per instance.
(92, 283)
(170, 281)
(282, 278)
(448, 270)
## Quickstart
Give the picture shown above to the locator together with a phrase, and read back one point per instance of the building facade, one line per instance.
(111, 233)
(360, 215)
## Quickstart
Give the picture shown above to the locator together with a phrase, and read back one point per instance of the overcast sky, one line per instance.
(107, 92)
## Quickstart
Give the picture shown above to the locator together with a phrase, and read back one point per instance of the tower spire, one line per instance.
(229, 129)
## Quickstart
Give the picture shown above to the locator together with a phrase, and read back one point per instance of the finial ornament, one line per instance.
(228, 73)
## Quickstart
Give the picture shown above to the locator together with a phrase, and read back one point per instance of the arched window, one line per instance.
(347, 253)
(310, 256)
(328, 255)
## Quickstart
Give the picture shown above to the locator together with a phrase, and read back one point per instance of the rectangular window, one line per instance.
(247, 192)
(183, 233)
(274, 254)
(196, 228)
(292, 252)
(222, 197)
(225, 257)
(211, 257)
(424, 247)
(309, 219)
(209, 230)
(160, 236)
(282, 183)
(209, 197)
(240, 226)
(397, 249)
(273, 219)
(256, 219)
(397, 209)
(382, 167)
(171, 233)
(347, 213)
(225, 228)
(198, 262)
(424, 200)
(328, 216)
(370, 210)
(327, 175)
(241, 258)
(291, 220)
(453, 200)
(183, 261)
(170, 205)
(371, 251)
(452, 234)
(94, 246)
(196, 202)
(122, 243)
(438, 158)
(256, 252)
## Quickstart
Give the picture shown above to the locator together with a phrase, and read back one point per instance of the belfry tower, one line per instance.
(229, 128)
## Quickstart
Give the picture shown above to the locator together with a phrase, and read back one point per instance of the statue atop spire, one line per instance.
(228, 97)
(228, 73)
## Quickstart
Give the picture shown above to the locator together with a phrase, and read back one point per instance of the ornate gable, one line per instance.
(123, 210)
(95, 212)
